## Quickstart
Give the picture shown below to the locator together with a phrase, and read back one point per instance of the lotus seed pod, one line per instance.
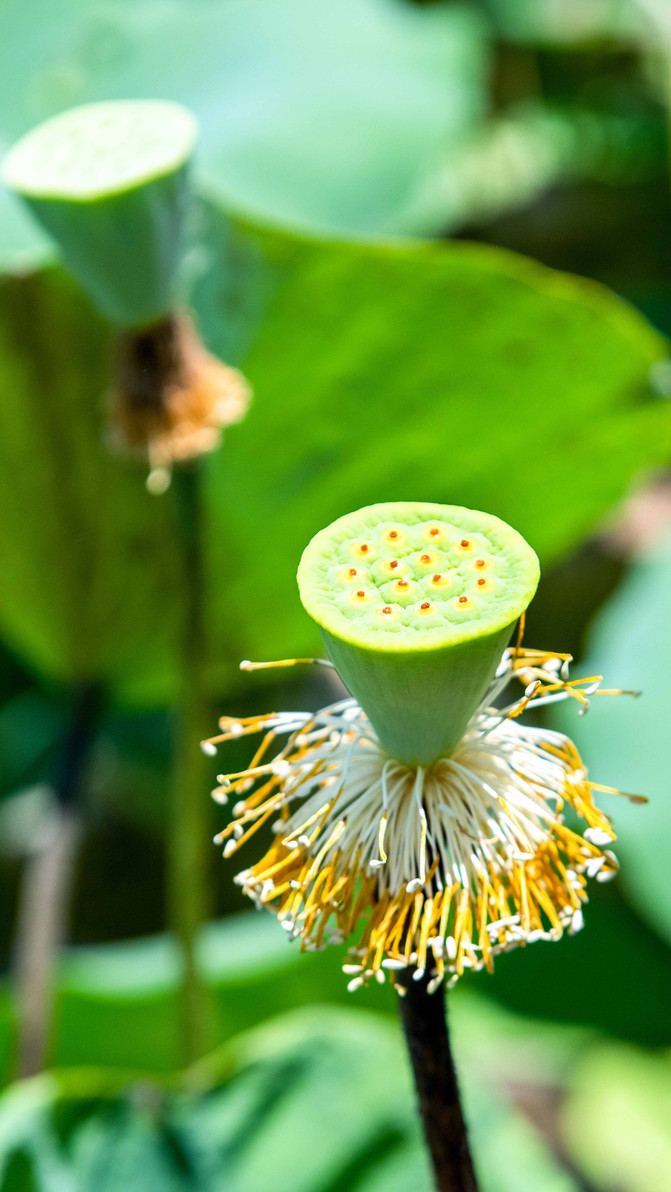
(416, 603)
(109, 182)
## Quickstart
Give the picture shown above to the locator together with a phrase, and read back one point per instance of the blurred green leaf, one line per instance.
(118, 1004)
(313, 1102)
(31, 723)
(511, 1155)
(298, 120)
(318, 1100)
(22, 244)
(534, 145)
(566, 22)
(617, 1119)
(77, 596)
(321, 1097)
(83, 1132)
(623, 741)
(583, 979)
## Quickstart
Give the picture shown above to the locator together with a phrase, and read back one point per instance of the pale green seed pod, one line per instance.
(109, 182)
(416, 603)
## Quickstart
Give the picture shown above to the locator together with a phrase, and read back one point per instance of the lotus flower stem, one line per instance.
(189, 901)
(424, 1020)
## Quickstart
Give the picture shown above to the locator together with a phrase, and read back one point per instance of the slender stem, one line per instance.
(425, 1025)
(189, 855)
(46, 886)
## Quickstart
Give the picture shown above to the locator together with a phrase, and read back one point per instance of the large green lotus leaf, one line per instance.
(455, 372)
(445, 372)
(318, 1100)
(617, 1119)
(624, 741)
(333, 114)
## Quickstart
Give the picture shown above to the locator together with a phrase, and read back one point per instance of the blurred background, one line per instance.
(364, 171)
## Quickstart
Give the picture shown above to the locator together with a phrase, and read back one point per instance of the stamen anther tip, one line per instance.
(158, 481)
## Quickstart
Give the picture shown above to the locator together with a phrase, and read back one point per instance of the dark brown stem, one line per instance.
(149, 363)
(46, 886)
(425, 1025)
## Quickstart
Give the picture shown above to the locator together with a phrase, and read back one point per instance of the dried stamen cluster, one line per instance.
(172, 399)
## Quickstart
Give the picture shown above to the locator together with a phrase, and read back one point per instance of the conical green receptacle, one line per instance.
(109, 182)
(416, 603)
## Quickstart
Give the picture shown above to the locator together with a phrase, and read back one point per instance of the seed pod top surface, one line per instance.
(100, 149)
(412, 576)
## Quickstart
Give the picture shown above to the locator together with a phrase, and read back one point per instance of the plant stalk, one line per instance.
(189, 851)
(424, 1020)
(46, 886)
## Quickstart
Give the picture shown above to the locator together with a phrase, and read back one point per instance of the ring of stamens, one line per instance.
(447, 865)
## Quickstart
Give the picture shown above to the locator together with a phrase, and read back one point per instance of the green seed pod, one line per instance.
(416, 603)
(109, 182)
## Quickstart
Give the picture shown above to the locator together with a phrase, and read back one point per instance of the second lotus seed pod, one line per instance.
(109, 182)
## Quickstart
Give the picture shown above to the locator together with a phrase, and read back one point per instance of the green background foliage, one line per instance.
(383, 367)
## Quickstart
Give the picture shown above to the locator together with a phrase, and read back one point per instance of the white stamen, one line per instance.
(577, 921)
(594, 865)
(597, 836)
(606, 875)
